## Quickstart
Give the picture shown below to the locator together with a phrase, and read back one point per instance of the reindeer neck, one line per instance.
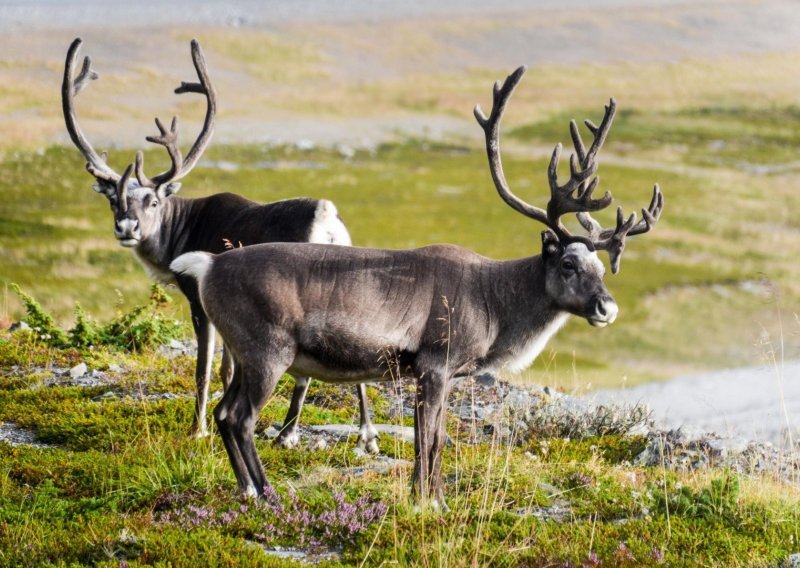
(526, 318)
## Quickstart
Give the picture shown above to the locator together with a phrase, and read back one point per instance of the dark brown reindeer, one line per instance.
(441, 311)
(159, 226)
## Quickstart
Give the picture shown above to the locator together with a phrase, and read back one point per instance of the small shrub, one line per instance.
(718, 500)
(85, 331)
(43, 325)
(142, 327)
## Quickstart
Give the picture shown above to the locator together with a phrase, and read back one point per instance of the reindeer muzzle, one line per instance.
(603, 311)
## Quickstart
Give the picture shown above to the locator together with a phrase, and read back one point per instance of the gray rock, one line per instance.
(686, 435)
(486, 380)
(15, 436)
(518, 403)
(271, 432)
(108, 395)
(19, 326)
(114, 368)
(793, 560)
(78, 371)
(405, 433)
(723, 447)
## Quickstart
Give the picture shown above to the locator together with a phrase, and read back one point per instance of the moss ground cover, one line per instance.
(120, 482)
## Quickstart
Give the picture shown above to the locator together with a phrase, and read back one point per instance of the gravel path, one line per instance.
(757, 402)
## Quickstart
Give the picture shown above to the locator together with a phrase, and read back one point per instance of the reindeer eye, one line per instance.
(568, 265)
(154, 203)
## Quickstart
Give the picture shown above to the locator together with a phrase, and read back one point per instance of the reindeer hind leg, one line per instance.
(253, 384)
(288, 438)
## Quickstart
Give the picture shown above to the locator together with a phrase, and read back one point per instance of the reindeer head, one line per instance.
(138, 204)
(573, 272)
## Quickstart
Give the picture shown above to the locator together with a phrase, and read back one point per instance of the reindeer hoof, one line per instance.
(198, 433)
(368, 439)
(289, 440)
(372, 447)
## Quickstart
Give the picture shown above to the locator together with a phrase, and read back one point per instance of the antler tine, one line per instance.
(501, 93)
(574, 196)
(601, 132)
(70, 87)
(204, 87)
(122, 189)
(168, 139)
(613, 240)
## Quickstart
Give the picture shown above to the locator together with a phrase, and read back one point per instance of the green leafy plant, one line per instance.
(718, 500)
(142, 327)
(42, 324)
(85, 331)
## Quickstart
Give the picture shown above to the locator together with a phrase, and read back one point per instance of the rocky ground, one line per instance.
(490, 409)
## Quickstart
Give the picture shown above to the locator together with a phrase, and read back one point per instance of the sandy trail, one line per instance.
(755, 403)
(142, 47)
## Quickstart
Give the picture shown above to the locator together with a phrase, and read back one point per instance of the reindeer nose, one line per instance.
(606, 309)
(127, 225)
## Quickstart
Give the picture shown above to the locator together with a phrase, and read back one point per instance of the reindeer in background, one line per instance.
(158, 226)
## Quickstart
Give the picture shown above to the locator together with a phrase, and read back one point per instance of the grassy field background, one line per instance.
(715, 285)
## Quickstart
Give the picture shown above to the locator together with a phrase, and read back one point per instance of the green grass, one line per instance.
(124, 483)
(683, 304)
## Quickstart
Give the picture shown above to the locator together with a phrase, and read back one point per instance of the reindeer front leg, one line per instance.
(367, 434)
(205, 355)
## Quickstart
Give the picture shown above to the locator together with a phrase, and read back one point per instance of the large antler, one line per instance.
(169, 138)
(70, 87)
(612, 240)
(575, 196)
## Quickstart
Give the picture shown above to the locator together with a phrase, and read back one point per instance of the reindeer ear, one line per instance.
(167, 189)
(106, 188)
(550, 243)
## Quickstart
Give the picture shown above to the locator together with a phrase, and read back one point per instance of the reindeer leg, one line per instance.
(367, 434)
(222, 416)
(226, 368)
(288, 438)
(205, 355)
(429, 438)
(237, 414)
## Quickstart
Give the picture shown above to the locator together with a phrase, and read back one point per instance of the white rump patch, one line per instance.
(195, 264)
(327, 228)
(530, 352)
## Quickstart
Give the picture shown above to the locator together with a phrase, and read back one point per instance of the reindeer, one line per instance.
(158, 226)
(441, 311)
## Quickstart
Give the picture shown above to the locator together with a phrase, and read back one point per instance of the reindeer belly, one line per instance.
(338, 354)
